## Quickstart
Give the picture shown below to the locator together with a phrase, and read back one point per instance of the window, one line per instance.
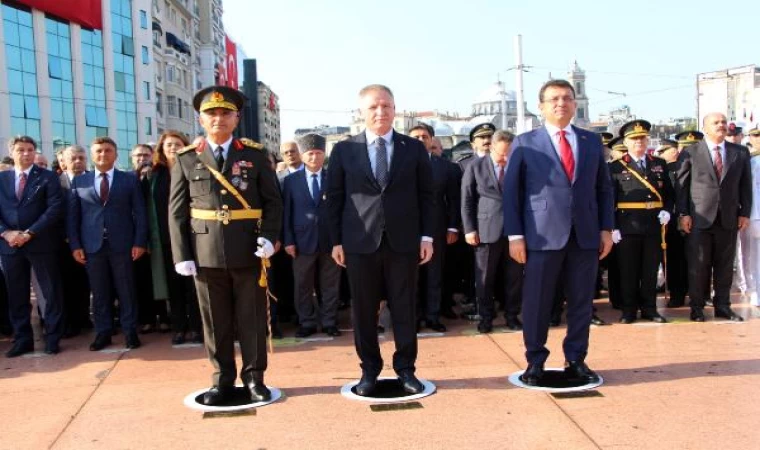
(145, 55)
(143, 20)
(146, 90)
(581, 114)
(159, 105)
(148, 126)
(170, 77)
(179, 107)
(183, 23)
(171, 102)
(127, 46)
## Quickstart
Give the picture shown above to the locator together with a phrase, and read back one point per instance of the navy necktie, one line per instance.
(219, 157)
(381, 163)
(314, 188)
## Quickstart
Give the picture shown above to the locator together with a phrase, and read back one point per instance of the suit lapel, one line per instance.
(703, 153)
(90, 182)
(31, 183)
(399, 155)
(547, 146)
(731, 156)
(362, 153)
(581, 160)
(206, 155)
(487, 164)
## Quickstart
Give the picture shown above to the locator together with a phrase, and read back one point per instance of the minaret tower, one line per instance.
(577, 78)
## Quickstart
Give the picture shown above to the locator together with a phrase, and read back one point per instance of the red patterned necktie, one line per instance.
(21, 186)
(718, 163)
(566, 154)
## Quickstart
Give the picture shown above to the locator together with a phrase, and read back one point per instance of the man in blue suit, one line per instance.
(558, 216)
(307, 240)
(108, 228)
(30, 207)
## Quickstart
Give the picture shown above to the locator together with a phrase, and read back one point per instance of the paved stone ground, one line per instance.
(680, 385)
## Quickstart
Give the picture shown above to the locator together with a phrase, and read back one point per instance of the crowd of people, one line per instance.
(88, 240)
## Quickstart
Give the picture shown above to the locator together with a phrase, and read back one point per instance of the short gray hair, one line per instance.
(502, 136)
(74, 149)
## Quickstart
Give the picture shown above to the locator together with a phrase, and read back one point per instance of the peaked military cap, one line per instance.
(218, 97)
(755, 131)
(617, 144)
(484, 129)
(689, 137)
(733, 130)
(606, 137)
(635, 128)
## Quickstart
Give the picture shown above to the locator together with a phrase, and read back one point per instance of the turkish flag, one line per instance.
(88, 13)
(231, 62)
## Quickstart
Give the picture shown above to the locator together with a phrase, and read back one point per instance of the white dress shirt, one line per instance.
(309, 178)
(372, 148)
(109, 175)
(572, 138)
(643, 159)
(225, 147)
(18, 176)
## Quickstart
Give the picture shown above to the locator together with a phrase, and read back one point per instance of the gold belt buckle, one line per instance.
(223, 216)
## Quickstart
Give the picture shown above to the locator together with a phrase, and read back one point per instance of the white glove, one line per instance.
(266, 249)
(664, 217)
(186, 268)
(616, 236)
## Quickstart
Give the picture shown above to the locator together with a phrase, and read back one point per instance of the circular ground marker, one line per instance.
(240, 400)
(388, 390)
(554, 380)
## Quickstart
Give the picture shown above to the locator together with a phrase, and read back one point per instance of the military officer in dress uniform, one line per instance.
(687, 138)
(754, 222)
(643, 196)
(677, 271)
(225, 211)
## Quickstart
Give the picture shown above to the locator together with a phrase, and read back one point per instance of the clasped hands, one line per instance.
(16, 238)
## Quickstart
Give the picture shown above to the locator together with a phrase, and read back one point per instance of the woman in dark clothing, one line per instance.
(183, 303)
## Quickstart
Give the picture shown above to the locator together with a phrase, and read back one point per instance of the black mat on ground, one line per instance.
(387, 389)
(556, 379)
(240, 397)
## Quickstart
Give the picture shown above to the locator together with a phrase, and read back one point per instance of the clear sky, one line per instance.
(440, 55)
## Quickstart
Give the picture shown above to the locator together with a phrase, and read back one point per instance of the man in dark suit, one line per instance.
(76, 285)
(307, 241)
(558, 215)
(225, 212)
(107, 227)
(446, 232)
(643, 198)
(30, 207)
(381, 205)
(483, 223)
(714, 202)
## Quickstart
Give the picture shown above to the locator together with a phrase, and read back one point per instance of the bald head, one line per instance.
(290, 154)
(715, 127)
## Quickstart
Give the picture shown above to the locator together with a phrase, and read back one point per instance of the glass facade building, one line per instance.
(67, 84)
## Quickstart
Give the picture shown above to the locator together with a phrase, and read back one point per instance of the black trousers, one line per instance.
(638, 257)
(17, 269)
(76, 291)
(5, 321)
(231, 299)
(678, 272)
(308, 271)
(282, 285)
(462, 268)
(369, 275)
(430, 292)
(183, 303)
(711, 253)
(111, 274)
(493, 264)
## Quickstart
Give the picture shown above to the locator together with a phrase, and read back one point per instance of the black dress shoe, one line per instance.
(514, 324)
(598, 321)
(332, 331)
(19, 348)
(727, 313)
(533, 374)
(676, 302)
(132, 341)
(410, 383)
(366, 385)
(697, 315)
(102, 340)
(52, 348)
(178, 338)
(436, 326)
(485, 327)
(257, 389)
(627, 319)
(197, 337)
(217, 395)
(655, 317)
(304, 332)
(578, 370)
